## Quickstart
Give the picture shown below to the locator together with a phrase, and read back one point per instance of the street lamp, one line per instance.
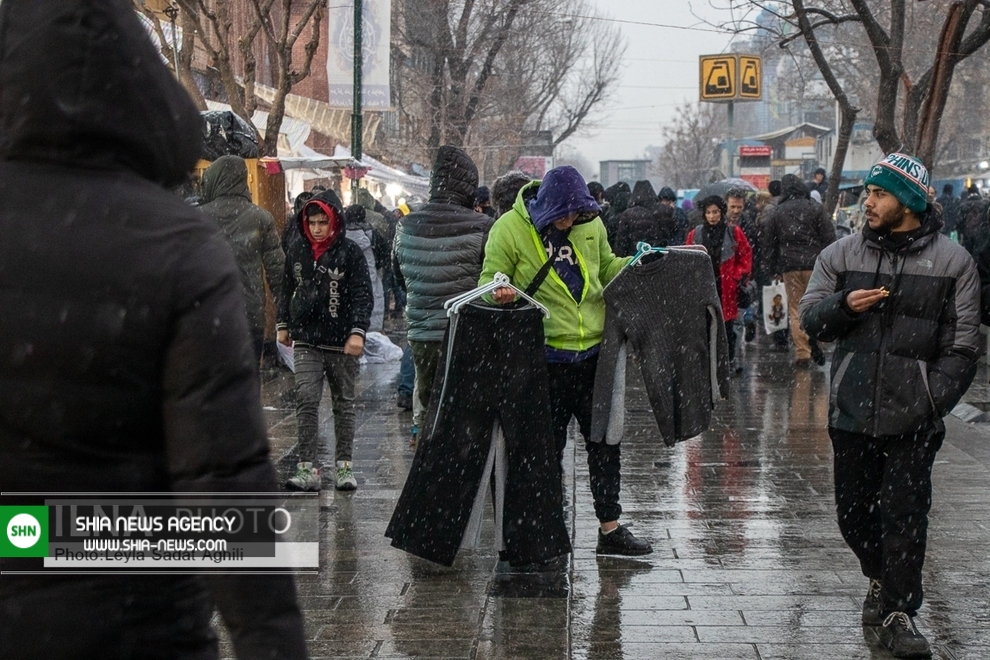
(171, 11)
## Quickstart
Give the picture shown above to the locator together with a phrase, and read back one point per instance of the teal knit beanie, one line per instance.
(904, 177)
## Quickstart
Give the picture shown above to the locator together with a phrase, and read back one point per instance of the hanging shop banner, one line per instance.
(376, 30)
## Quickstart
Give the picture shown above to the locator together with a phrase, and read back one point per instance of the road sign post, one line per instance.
(727, 78)
(730, 78)
(750, 78)
(718, 77)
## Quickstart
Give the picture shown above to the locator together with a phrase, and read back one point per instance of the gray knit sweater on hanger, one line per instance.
(669, 313)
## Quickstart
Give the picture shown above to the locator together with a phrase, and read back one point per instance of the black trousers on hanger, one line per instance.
(492, 368)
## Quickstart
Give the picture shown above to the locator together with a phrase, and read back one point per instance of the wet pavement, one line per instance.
(748, 561)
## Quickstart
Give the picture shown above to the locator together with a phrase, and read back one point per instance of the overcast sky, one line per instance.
(660, 72)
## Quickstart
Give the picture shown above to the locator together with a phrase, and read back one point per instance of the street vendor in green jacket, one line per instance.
(558, 218)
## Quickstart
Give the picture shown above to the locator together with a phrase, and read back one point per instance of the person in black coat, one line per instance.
(125, 356)
(645, 220)
(950, 209)
(617, 198)
(819, 182)
(668, 198)
(795, 233)
(974, 222)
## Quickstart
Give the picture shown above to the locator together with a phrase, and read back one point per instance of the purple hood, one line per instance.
(562, 192)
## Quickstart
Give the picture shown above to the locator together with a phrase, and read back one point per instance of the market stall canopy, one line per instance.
(382, 173)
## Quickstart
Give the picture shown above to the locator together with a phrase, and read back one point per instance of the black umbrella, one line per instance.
(721, 187)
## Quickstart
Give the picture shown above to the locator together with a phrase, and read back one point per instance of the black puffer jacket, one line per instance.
(796, 231)
(643, 221)
(950, 212)
(439, 249)
(125, 361)
(339, 283)
(974, 224)
(250, 231)
(906, 362)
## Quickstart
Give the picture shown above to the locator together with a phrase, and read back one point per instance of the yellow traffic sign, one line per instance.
(750, 77)
(718, 77)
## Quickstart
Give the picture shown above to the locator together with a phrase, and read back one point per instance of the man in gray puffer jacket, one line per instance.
(902, 303)
(250, 231)
(437, 255)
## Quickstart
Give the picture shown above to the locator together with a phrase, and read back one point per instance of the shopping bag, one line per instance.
(774, 307)
(287, 355)
(379, 349)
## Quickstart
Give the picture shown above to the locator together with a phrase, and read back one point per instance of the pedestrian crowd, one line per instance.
(900, 299)
(132, 331)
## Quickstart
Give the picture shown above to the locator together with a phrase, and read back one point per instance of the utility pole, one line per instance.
(732, 142)
(356, 123)
(171, 11)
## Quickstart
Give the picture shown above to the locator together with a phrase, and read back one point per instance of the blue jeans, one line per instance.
(407, 372)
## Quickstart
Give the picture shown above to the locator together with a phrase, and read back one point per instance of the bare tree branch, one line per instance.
(848, 111)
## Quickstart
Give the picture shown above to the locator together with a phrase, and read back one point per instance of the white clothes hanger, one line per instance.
(500, 281)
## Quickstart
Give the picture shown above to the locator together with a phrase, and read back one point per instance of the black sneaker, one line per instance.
(871, 606)
(750, 332)
(900, 635)
(817, 354)
(622, 542)
(404, 401)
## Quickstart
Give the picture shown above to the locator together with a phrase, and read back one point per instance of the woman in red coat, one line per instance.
(732, 259)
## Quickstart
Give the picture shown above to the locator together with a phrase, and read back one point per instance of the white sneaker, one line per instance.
(345, 476)
(307, 478)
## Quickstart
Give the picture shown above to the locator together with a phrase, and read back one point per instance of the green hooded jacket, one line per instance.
(514, 248)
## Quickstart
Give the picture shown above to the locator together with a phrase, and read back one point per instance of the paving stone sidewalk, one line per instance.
(748, 560)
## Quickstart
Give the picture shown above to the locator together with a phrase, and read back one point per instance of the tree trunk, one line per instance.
(839, 158)
(914, 98)
(848, 111)
(436, 107)
(269, 146)
(888, 49)
(185, 60)
(941, 79)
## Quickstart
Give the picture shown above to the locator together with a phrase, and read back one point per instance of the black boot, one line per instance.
(871, 605)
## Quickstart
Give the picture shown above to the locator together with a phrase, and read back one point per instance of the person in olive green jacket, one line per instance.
(250, 231)
(559, 217)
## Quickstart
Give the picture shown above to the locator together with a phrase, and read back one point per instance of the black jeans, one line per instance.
(571, 389)
(883, 492)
